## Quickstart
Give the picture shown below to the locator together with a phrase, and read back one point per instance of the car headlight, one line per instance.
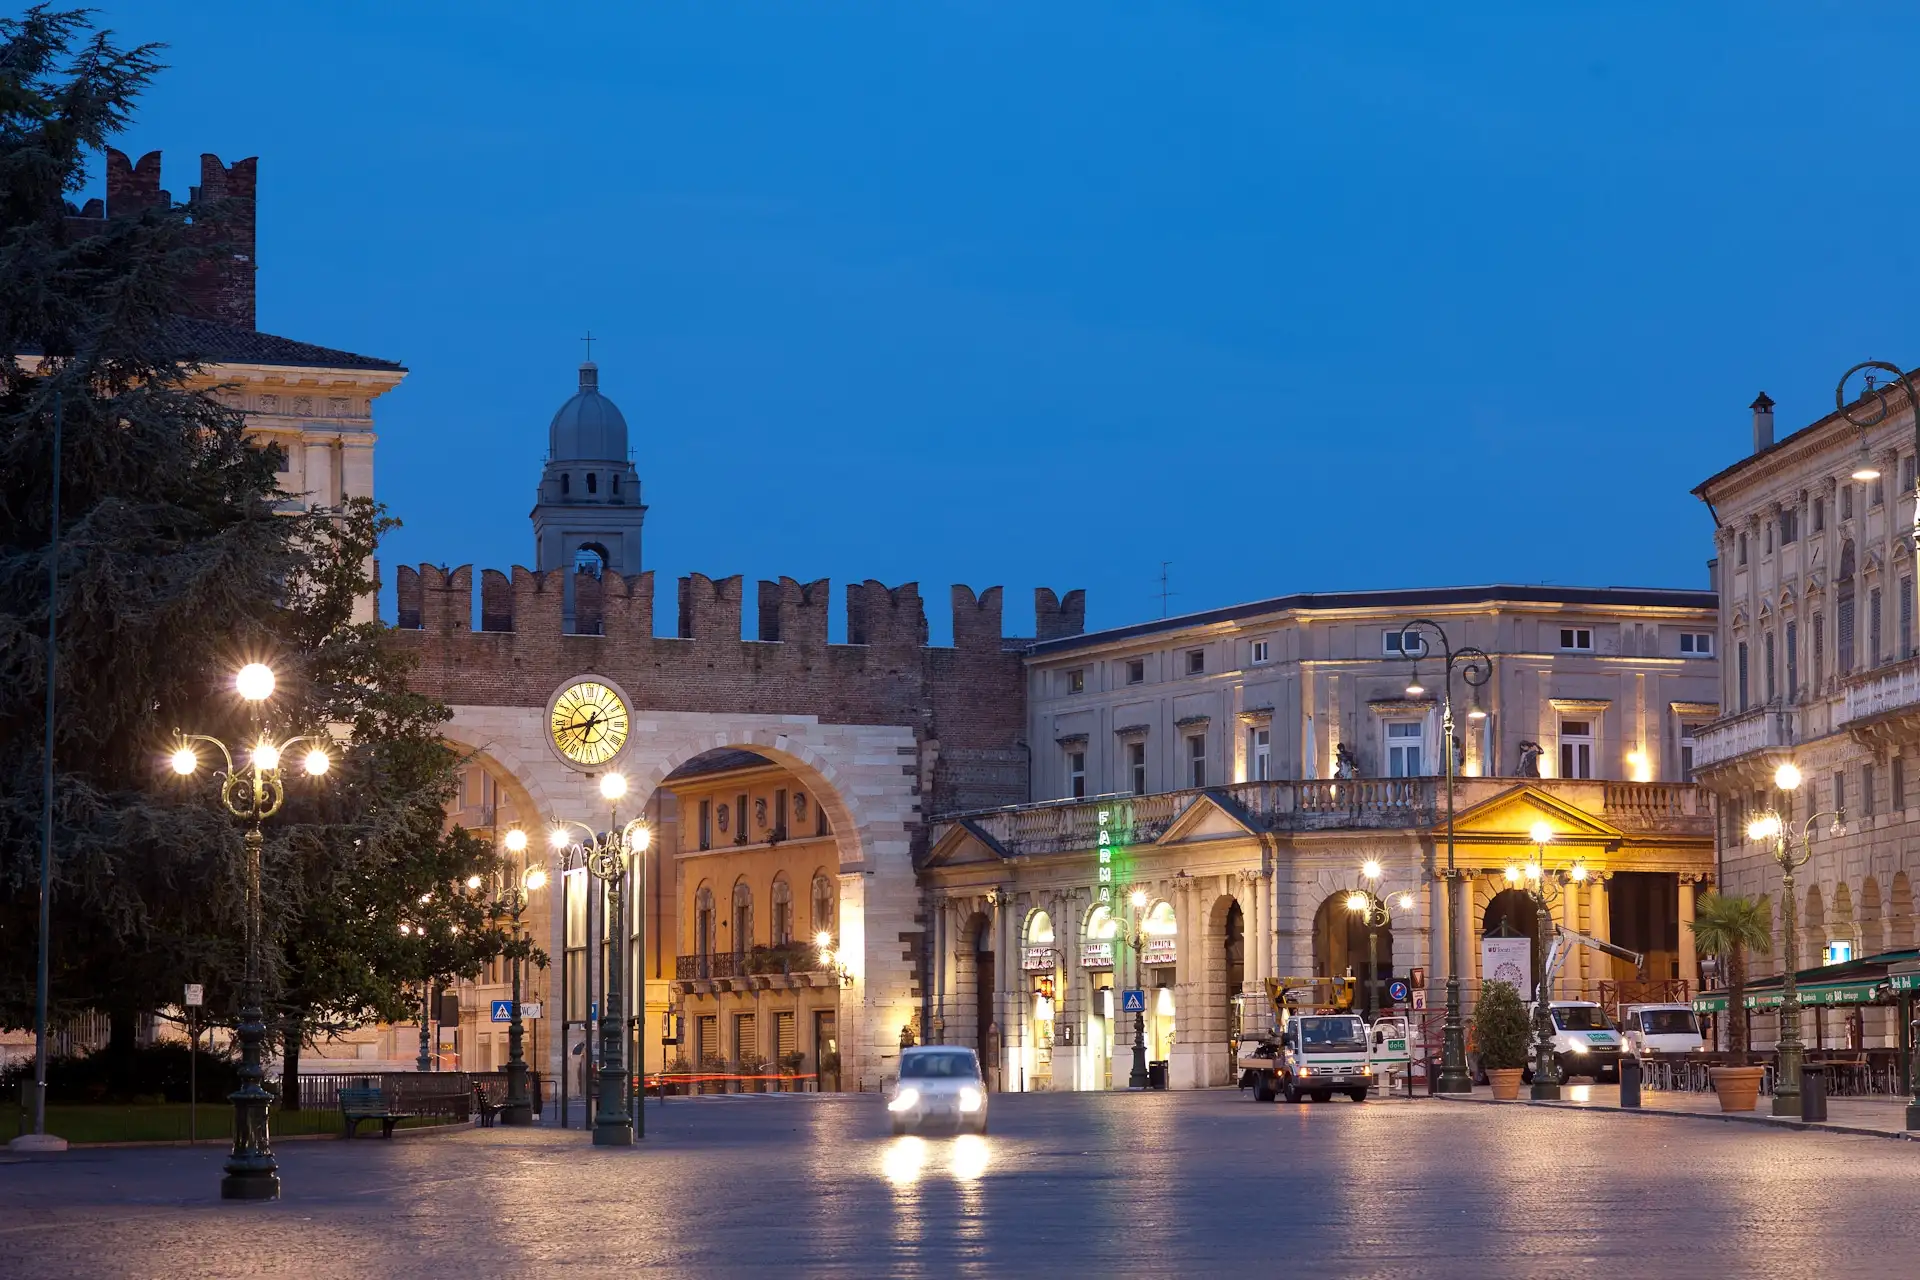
(1366, 1071)
(1579, 1048)
(905, 1100)
(970, 1099)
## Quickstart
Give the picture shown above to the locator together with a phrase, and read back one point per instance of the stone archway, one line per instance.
(1222, 950)
(853, 771)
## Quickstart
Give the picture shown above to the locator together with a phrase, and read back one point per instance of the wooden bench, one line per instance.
(489, 1099)
(357, 1105)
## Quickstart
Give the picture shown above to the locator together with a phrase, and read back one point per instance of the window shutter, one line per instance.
(1846, 634)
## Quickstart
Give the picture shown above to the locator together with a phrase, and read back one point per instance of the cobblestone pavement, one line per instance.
(1199, 1184)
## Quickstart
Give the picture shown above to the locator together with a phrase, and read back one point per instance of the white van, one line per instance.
(1661, 1028)
(1584, 1042)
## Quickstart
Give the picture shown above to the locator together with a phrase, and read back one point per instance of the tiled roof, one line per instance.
(211, 342)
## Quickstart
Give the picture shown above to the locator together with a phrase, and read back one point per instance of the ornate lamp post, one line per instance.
(519, 1105)
(605, 855)
(1375, 914)
(1881, 411)
(1137, 1077)
(1476, 668)
(252, 793)
(1543, 886)
(1770, 825)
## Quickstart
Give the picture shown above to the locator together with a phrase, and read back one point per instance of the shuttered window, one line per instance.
(1742, 674)
(786, 1033)
(1906, 617)
(746, 1042)
(1874, 649)
(1793, 661)
(1846, 629)
(706, 1038)
(1819, 652)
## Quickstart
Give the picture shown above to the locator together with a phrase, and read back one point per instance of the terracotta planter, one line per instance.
(1505, 1081)
(1738, 1087)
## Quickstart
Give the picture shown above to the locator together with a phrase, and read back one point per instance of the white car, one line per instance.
(940, 1084)
(1661, 1028)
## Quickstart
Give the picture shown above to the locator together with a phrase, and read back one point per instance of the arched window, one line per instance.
(742, 917)
(566, 484)
(1101, 926)
(703, 921)
(823, 897)
(616, 484)
(782, 912)
(1040, 929)
(1160, 921)
(593, 482)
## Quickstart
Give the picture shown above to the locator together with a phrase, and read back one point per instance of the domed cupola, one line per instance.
(589, 427)
(587, 513)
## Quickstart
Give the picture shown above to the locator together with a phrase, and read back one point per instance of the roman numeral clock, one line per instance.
(588, 723)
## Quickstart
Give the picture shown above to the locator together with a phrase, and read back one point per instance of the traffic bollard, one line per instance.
(1630, 1082)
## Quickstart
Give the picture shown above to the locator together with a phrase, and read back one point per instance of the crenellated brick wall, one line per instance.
(964, 704)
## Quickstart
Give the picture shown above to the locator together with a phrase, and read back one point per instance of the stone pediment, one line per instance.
(964, 843)
(1213, 815)
(1508, 818)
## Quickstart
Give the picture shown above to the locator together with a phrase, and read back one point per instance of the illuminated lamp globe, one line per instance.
(316, 763)
(640, 839)
(1540, 833)
(473, 882)
(1787, 777)
(537, 878)
(1356, 902)
(1533, 871)
(558, 838)
(516, 841)
(1763, 828)
(266, 756)
(1579, 873)
(613, 785)
(823, 940)
(1406, 902)
(1138, 898)
(1370, 869)
(254, 682)
(184, 761)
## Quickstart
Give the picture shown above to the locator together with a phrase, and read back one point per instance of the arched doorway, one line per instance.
(1233, 946)
(1100, 933)
(1512, 914)
(983, 997)
(1038, 963)
(1343, 944)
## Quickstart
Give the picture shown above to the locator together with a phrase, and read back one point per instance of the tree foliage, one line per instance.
(1730, 926)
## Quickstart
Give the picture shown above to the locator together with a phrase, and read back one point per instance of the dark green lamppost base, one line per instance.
(1137, 1078)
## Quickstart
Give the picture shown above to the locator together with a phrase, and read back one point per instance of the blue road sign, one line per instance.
(502, 1010)
(1397, 991)
(1133, 1000)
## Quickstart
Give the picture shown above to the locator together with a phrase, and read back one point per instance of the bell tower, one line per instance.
(588, 509)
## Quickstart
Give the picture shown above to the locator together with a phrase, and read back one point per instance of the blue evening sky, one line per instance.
(1296, 297)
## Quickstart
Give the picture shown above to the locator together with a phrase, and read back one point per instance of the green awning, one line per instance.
(1857, 991)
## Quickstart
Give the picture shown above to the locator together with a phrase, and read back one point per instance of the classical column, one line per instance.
(1689, 961)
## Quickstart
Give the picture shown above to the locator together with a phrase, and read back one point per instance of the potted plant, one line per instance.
(790, 1064)
(712, 1064)
(1729, 926)
(752, 1067)
(1500, 1029)
(829, 1065)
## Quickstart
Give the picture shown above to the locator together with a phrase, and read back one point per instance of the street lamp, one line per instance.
(1881, 411)
(605, 856)
(519, 1105)
(1770, 825)
(252, 792)
(1476, 668)
(1137, 1078)
(1375, 913)
(1543, 887)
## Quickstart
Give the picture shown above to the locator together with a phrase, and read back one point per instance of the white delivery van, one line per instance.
(1584, 1042)
(1661, 1028)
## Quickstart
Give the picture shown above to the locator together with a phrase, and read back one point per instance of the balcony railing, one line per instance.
(1755, 729)
(791, 958)
(1066, 826)
(1887, 691)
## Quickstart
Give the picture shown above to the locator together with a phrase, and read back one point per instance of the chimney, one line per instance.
(1762, 423)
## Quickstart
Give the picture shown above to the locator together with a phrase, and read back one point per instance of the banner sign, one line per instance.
(1096, 955)
(1508, 960)
(1037, 959)
(1160, 951)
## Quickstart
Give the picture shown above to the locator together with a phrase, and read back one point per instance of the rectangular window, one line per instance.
(1260, 753)
(1403, 749)
(786, 1035)
(1793, 661)
(1877, 493)
(1846, 502)
(746, 1043)
(1873, 627)
(1687, 732)
(1866, 790)
(1262, 651)
(1906, 617)
(1789, 526)
(1077, 680)
(1698, 644)
(1196, 661)
(1740, 674)
(1766, 648)
(1196, 759)
(1906, 474)
(706, 824)
(1743, 550)
(1846, 629)
(1576, 638)
(1392, 642)
(1897, 778)
(1077, 774)
(740, 833)
(706, 1038)
(780, 814)
(1137, 767)
(1576, 748)
(1136, 671)
(1819, 515)
(1840, 791)
(1819, 652)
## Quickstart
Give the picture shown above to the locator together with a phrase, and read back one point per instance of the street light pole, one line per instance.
(1770, 825)
(605, 857)
(1476, 668)
(252, 794)
(1881, 412)
(1375, 912)
(1543, 887)
(1137, 1078)
(519, 1105)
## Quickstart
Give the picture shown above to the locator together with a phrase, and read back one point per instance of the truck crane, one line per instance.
(1583, 1042)
(1313, 1045)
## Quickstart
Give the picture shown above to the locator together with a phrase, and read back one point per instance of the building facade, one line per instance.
(1224, 778)
(1814, 567)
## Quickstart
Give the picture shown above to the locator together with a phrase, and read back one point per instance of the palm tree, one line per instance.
(1729, 926)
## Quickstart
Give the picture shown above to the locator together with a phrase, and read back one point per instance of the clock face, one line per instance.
(589, 723)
